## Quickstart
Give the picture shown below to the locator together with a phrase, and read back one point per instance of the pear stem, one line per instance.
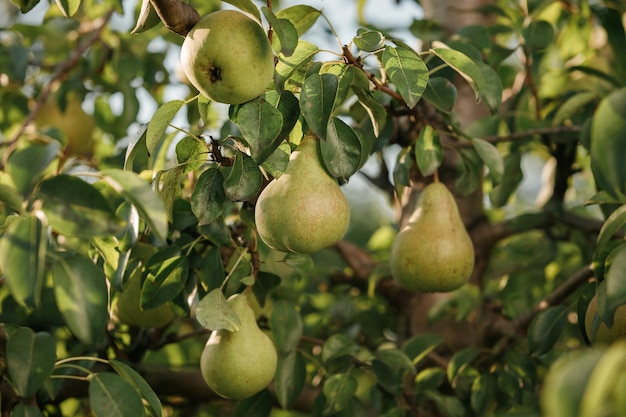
(436, 176)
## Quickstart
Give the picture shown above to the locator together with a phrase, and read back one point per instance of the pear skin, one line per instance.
(127, 308)
(237, 365)
(303, 210)
(602, 334)
(433, 252)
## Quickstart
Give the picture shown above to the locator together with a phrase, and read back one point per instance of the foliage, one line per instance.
(169, 188)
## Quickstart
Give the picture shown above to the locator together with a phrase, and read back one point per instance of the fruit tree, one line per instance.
(298, 208)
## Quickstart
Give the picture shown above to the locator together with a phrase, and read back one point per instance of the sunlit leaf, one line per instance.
(159, 123)
(419, 346)
(369, 40)
(68, 7)
(26, 165)
(407, 71)
(338, 390)
(287, 66)
(491, 157)
(166, 275)
(428, 151)
(301, 16)
(284, 30)
(214, 313)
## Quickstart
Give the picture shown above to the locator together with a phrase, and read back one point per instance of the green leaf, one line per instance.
(208, 197)
(300, 262)
(286, 326)
(441, 93)
(26, 165)
(140, 385)
(288, 66)
(491, 157)
(190, 152)
(137, 155)
(166, 275)
(112, 396)
(336, 346)
(608, 144)
(538, 35)
(317, 101)
(419, 346)
(9, 197)
(244, 178)
(345, 77)
(25, 5)
(407, 71)
(68, 7)
(341, 151)
(284, 30)
(259, 405)
(159, 123)
(260, 124)
(428, 151)
(246, 6)
(81, 294)
(614, 223)
(369, 40)
(459, 362)
(376, 111)
(288, 105)
(484, 390)
(170, 188)
(301, 16)
(339, 390)
(290, 378)
(138, 192)
(26, 410)
(75, 208)
(545, 329)
(264, 283)
(30, 358)
(147, 18)
(511, 177)
(22, 259)
(466, 68)
(401, 171)
(214, 313)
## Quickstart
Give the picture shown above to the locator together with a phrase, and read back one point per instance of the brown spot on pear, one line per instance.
(433, 252)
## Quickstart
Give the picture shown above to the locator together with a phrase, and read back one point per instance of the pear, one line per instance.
(128, 310)
(433, 252)
(304, 210)
(602, 334)
(237, 365)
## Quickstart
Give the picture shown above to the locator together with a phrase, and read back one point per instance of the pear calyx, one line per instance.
(304, 210)
(237, 365)
(433, 252)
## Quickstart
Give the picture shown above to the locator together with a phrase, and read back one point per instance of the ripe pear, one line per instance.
(128, 310)
(433, 252)
(237, 365)
(304, 210)
(604, 335)
(228, 57)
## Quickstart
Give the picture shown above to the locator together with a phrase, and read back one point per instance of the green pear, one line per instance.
(128, 310)
(304, 210)
(602, 334)
(237, 365)
(228, 57)
(433, 252)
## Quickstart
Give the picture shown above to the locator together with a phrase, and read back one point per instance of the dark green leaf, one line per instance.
(159, 123)
(244, 178)
(22, 259)
(30, 358)
(82, 297)
(376, 111)
(428, 151)
(260, 124)
(396, 359)
(76, 208)
(26, 165)
(545, 329)
(538, 35)
(264, 283)
(191, 152)
(467, 68)
(288, 105)
(140, 384)
(614, 223)
(286, 326)
(459, 362)
(336, 346)
(402, 169)
(68, 7)
(207, 198)
(112, 396)
(341, 151)
(146, 19)
(300, 262)
(290, 378)
(25, 5)
(259, 405)
(511, 177)
(407, 71)
(26, 410)
(483, 396)
(491, 157)
(317, 101)
(441, 93)
(166, 276)
(421, 345)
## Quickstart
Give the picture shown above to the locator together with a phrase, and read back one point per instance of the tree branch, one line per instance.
(177, 16)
